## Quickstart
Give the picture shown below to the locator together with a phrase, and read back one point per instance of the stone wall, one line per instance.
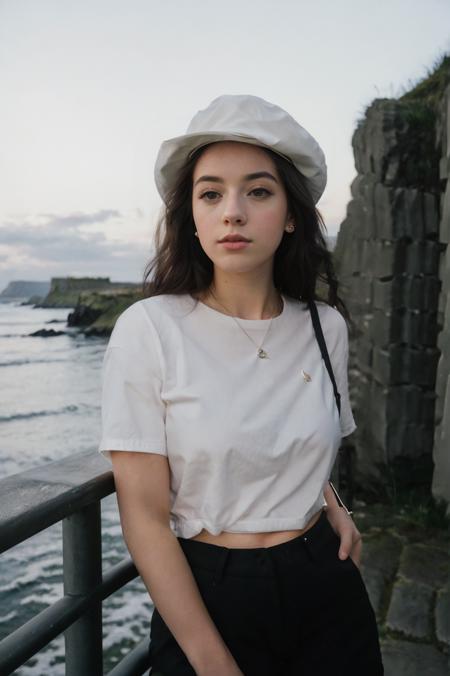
(441, 454)
(389, 257)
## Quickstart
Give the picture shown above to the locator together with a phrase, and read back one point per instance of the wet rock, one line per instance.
(47, 333)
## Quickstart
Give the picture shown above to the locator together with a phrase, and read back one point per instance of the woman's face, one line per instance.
(237, 190)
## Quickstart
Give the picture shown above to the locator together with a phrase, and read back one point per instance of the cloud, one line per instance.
(62, 245)
(80, 218)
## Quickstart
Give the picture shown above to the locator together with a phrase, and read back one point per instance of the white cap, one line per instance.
(248, 119)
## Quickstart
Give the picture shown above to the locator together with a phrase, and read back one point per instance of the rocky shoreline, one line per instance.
(96, 312)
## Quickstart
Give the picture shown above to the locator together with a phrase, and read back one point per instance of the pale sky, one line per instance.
(90, 89)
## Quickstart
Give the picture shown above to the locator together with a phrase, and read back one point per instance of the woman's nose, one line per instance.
(234, 211)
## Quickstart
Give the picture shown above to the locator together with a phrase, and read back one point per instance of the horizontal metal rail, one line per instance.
(40, 497)
(69, 490)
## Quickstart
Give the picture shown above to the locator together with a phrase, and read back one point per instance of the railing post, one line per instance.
(82, 560)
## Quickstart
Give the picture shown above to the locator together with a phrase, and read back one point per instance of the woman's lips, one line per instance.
(240, 244)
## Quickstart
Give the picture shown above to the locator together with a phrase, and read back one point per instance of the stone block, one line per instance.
(411, 440)
(444, 270)
(422, 293)
(399, 213)
(422, 257)
(365, 290)
(354, 257)
(442, 385)
(370, 462)
(384, 327)
(367, 256)
(431, 212)
(389, 212)
(384, 293)
(413, 210)
(410, 609)
(400, 364)
(376, 588)
(364, 355)
(382, 552)
(415, 328)
(359, 294)
(425, 565)
(442, 617)
(389, 258)
(380, 556)
(410, 327)
(412, 403)
(396, 405)
(403, 658)
(409, 292)
(400, 438)
(444, 226)
(357, 217)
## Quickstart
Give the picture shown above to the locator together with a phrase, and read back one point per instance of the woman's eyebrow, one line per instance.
(247, 177)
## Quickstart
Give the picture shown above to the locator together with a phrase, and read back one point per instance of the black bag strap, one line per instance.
(323, 348)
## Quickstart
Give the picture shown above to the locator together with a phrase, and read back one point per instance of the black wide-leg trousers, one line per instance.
(294, 609)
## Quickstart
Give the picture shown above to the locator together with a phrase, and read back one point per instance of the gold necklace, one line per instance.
(262, 354)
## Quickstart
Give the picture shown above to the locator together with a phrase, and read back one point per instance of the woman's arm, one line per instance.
(344, 526)
(142, 484)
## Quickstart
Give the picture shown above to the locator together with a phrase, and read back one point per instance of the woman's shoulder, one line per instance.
(330, 318)
(147, 314)
(330, 315)
(154, 306)
(334, 327)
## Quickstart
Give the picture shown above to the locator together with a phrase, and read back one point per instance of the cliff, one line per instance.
(19, 289)
(96, 311)
(65, 291)
(393, 262)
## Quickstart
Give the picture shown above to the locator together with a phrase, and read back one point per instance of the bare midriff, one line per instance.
(251, 540)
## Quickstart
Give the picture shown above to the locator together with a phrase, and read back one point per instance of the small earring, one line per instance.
(290, 228)
(196, 233)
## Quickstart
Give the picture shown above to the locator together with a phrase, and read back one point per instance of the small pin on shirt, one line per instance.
(306, 376)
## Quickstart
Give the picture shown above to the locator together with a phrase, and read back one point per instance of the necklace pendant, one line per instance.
(262, 354)
(306, 376)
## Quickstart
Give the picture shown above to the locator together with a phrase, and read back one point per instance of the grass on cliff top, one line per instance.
(423, 95)
(431, 87)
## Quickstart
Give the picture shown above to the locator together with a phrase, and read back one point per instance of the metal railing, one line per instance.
(68, 490)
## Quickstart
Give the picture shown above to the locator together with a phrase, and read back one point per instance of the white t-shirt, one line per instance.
(250, 442)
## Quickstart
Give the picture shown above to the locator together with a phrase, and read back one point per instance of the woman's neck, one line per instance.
(244, 301)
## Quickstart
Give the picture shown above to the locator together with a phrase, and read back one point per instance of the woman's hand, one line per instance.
(344, 526)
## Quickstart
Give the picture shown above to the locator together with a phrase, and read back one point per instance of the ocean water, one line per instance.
(50, 409)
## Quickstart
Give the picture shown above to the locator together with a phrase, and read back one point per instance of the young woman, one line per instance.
(221, 417)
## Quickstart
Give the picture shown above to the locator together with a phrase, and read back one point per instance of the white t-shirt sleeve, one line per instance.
(132, 410)
(339, 361)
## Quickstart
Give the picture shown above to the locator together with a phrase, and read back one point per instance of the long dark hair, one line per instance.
(301, 262)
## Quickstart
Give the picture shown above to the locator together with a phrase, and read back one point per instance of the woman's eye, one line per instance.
(261, 190)
(207, 194)
(210, 195)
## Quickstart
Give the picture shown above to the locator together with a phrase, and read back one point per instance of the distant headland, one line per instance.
(96, 302)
